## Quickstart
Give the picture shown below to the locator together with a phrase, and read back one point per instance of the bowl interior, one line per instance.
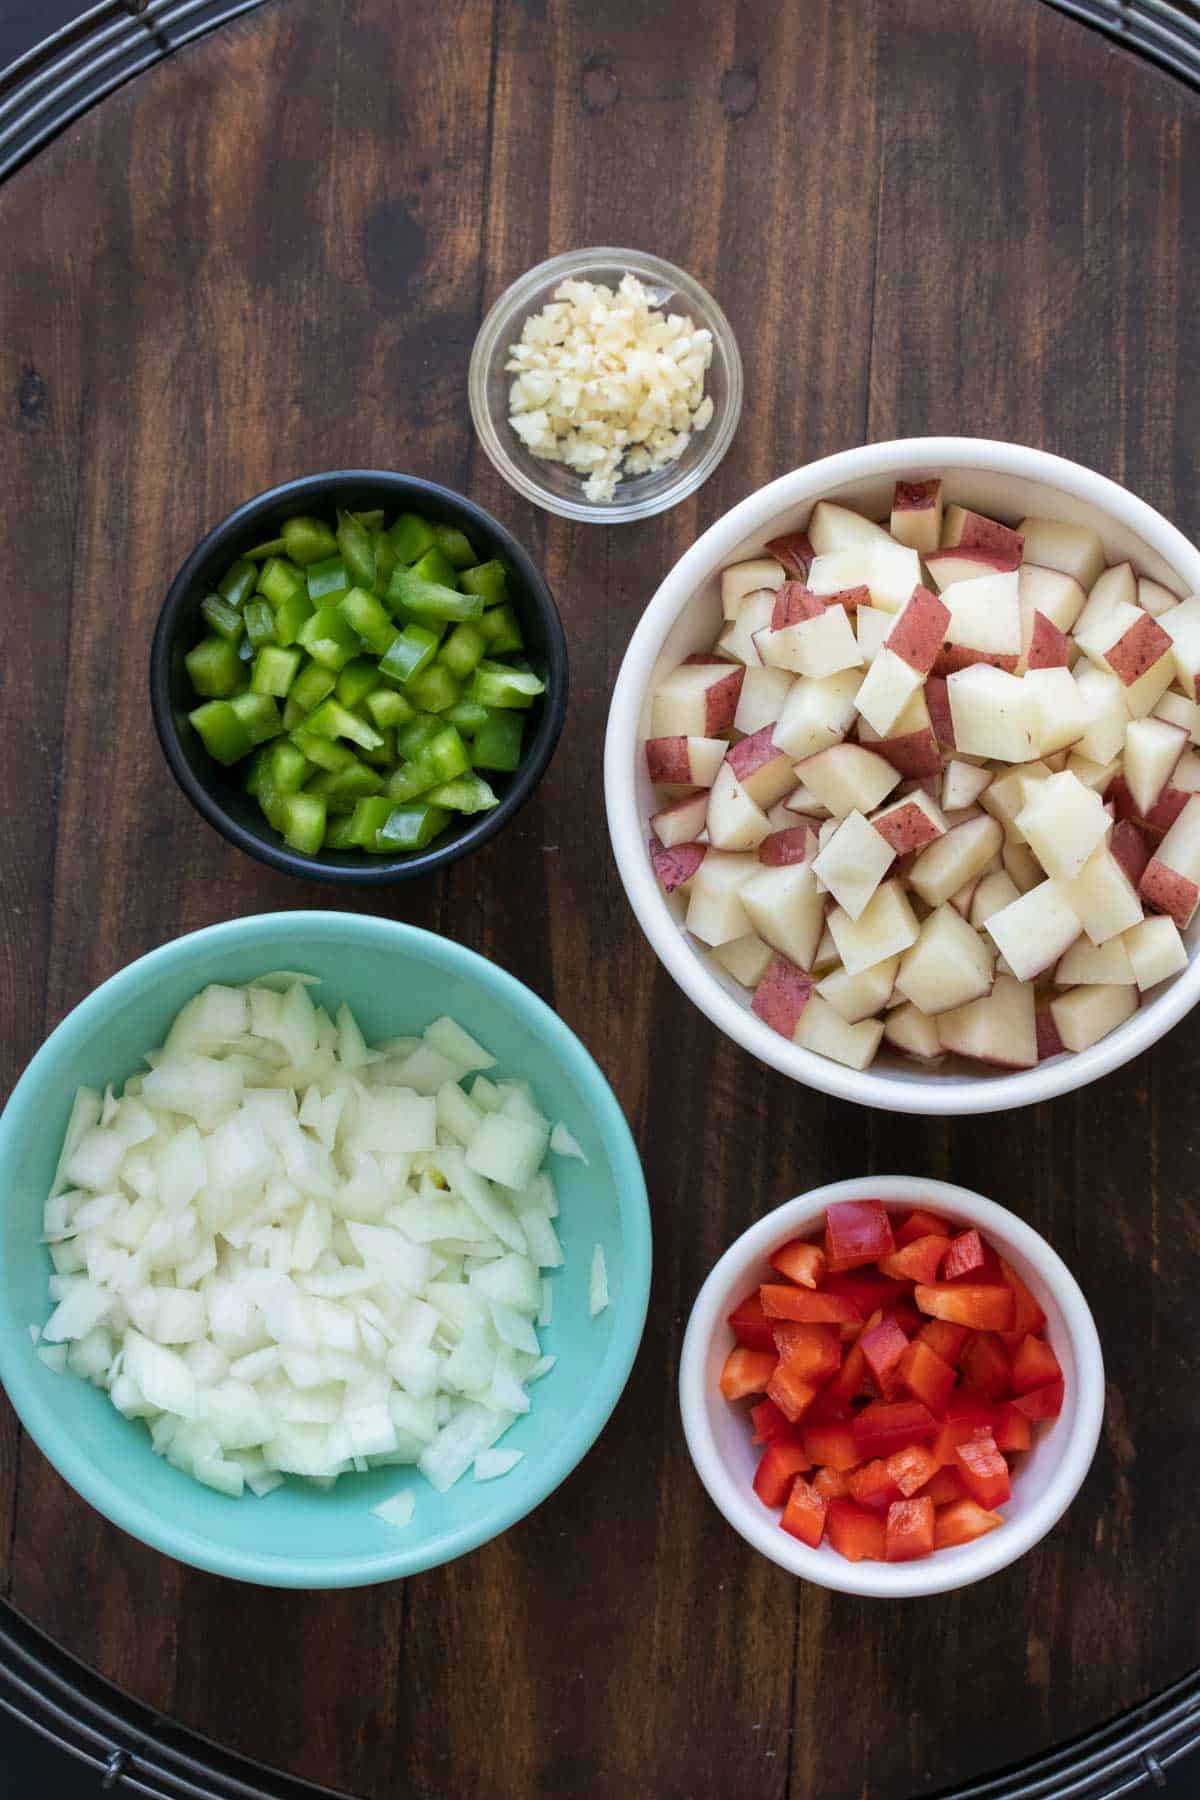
(395, 978)
(552, 484)
(259, 521)
(1000, 493)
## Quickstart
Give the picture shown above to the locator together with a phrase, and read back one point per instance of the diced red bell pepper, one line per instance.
(945, 1487)
(800, 1262)
(852, 1378)
(770, 1424)
(961, 1522)
(919, 1261)
(792, 1394)
(912, 1468)
(750, 1324)
(909, 1530)
(964, 1255)
(832, 1446)
(778, 1467)
(983, 1308)
(867, 1288)
(907, 1317)
(883, 1345)
(984, 1472)
(829, 1408)
(813, 1351)
(955, 1432)
(985, 1367)
(919, 1224)
(927, 1378)
(971, 1409)
(1014, 1432)
(831, 1484)
(747, 1372)
(887, 1425)
(1034, 1366)
(857, 1232)
(855, 1532)
(1028, 1319)
(871, 1485)
(944, 1339)
(804, 1514)
(1042, 1403)
(807, 1307)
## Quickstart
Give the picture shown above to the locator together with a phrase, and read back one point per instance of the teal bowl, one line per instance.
(395, 979)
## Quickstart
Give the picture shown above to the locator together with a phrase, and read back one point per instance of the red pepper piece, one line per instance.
(779, 1466)
(831, 1484)
(964, 1256)
(857, 1232)
(1028, 1319)
(1034, 1366)
(800, 1262)
(883, 1345)
(955, 1432)
(927, 1378)
(804, 1514)
(792, 1394)
(1042, 1403)
(834, 1445)
(828, 1408)
(867, 1288)
(918, 1261)
(855, 1532)
(750, 1324)
(961, 1522)
(770, 1424)
(907, 1317)
(871, 1485)
(887, 1425)
(1014, 1432)
(944, 1339)
(985, 1367)
(919, 1224)
(984, 1472)
(808, 1308)
(983, 1308)
(912, 1468)
(945, 1487)
(852, 1378)
(813, 1352)
(970, 1409)
(909, 1530)
(746, 1372)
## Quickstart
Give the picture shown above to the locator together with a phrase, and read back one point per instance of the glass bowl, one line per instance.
(551, 484)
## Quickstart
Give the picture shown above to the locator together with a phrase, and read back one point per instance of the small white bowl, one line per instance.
(685, 616)
(1046, 1478)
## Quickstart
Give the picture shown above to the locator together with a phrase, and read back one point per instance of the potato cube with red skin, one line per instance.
(792, 603)
(945, 1339)
(917, 635)
(1034, 1365)
(1049, 648)
(811, 1351)
(963, 529)
(919, 1260)
(831, 1484)
(832, 1445)
(676, 866)
(964, 1255)
(793, 552)
(770, 1424)
(750, 1324)
(886, 1425)
(927, 1377)
(855, 1532)
(909, 1530)
(883, 1345)
(1137, 649)
(681, 761)
(698, 699)
(961, 1522)
(920, 1223)
(794, 844)
(1013, 1431)
(984, 1472)
(910, 822)
(804, 1514)
(982, 1306)
(1042, 1403)
(681, 822)
(782, 995)
(806, 1306)
(916, 519)
(761, 768)
(912, 1469)
(747, 1372)
(800, 1262)
(1049, 1043)
(778, 1467)
(857, 1231)
(985, 1367)
(1128, 844)
(944, 1488)
(1170, 880)
(872, 1486)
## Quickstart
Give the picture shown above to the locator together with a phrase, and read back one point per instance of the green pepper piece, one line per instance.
(304, 817)
(312, 685)
(259, 714)
(414, 777)
(496, 684)
(270, 804)
(221, 731)
(356, 681)
(370, 620)
(411, 536)
(371, 520)
(466, 794)
(354, 542)
(329, 638)
(412, 738)
(332, 720)
(326, 753)
(278, 580)
(412, 650)
(487, 579)
(497, 743)
(368, 816)
(385, 757)
(260, 624)
(388, 708)
(237, 583)
(385, 560)
(285, 769)
(431, 600)
(434, 689)
(214, 668)
(255, 770)
(446, 754)
(463, 649)
(222, 618)
(455, 546)
(466, 716)
(339, 833)
(501, 630)
(327, 581)
(245, 650)
(344, 788)
(274, 671)
(308, 540)
(435, 566)
(260, 552)
(413, 827)
(290, 615)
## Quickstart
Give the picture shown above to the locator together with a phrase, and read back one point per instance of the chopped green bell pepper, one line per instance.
(498, 684)
(284, 767)
(222, 733)
(388, 708)
(329, 638)
(312, 685)
(410, 651)
(326, 753)
(455, 546)
(497, 743)
(214, 668)
(274, 671)
(358, 555)
(279, 580)
(308, 541)
(304, 817)
(260, 552)
(411, 536)
(431, 599)
(344, 788)
(487, 580)
(259, 714)
(501, 630)
(222, 618)
(260, 623)
(466, 716)
(466, 794)
(359, 678)
(370, 619)
(237, 583)
(327, 581)
(463, 649)
(339, 833)
(371, 520)
(368, 817)
(333, 720)
(413, 827)
(412, 738)
(434, 689)
(435, 566)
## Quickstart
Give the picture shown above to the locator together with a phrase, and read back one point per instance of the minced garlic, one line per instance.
(608, 383)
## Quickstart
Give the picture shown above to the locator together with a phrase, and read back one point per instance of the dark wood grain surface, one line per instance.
(270, 256)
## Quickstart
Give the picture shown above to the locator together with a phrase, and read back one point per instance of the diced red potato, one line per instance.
(792, 844)
(764, 771)
(948, 567)
(737, 642)
(715, 912)
(684, 761)
(966, 530)
(745, 958)
(1181, 625)
(782, 995)
(917, 635)
(1049, 648)
(794, 551)
(917, 514)
(910, 823)
(1170, 882)
(1054, 544)
(749, 577)
(697, 700)
(675, 866)
(762, 699)
(682, 822)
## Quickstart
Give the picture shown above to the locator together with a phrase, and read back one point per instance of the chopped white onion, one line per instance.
(397, 1511)
(564, 1144)
(491, 1463)
(598, 1282)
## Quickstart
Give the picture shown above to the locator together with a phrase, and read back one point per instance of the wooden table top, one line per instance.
(270, 255)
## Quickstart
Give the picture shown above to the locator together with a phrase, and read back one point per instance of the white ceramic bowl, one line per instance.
(685, 616)
(1046, 1478)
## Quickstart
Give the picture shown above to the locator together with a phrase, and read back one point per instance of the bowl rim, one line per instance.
(944, 1570)
(119, 1503)
(373, 871)
(927, 1094)
(502, 316)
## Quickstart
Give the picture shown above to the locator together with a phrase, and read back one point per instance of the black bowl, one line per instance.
(217, 792)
